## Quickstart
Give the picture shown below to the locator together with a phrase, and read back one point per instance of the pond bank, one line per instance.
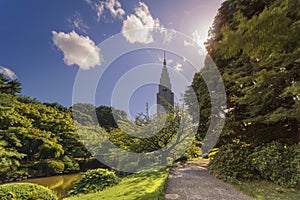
(60, 184)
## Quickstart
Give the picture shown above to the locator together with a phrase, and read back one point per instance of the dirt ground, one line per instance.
(192, 181)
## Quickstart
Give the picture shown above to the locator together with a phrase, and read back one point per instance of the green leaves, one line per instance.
(278, 163)
(256, 46)
(26, 191)
(31, 131)
(272, 161)
(95, 180)
(257, 53)
(9, 86)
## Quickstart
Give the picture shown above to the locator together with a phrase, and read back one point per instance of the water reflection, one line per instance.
(60, 184)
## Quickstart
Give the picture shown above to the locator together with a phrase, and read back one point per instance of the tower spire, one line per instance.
(165, 96)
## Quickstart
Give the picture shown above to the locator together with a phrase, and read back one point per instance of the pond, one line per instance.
(60, 184)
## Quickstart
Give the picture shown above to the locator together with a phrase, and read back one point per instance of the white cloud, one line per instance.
(139, 27)
(167, 34)
(197, 40)
(8, 73)
(77, 22)
(113, 6)
(187, 43)
(100, 10)
(178, 67)
(77, 49)
(142, 22)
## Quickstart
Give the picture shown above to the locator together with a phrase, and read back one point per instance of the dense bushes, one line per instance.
(291, 166)
(25, 191)
(95, 180)
(268, 161)
(273, 161)
(48, 167)
(32, 132)
(278, 163)
(232, 162)
(70, 165)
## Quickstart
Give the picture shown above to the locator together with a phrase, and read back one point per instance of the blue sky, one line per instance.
(44, 42)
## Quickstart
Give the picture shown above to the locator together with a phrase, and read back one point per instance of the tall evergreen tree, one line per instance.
(255, 45)
(9, 86)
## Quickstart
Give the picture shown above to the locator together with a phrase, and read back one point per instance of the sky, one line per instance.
(47, 45)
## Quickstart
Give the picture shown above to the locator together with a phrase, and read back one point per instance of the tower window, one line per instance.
(165, 89)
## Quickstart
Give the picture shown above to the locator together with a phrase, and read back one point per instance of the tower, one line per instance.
(165, 96)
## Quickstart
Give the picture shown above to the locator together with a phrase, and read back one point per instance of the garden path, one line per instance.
(191, 181)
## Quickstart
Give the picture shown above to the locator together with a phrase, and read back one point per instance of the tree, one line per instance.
(255, 45)
(31, 131)
(106, 116)
(9, 159)
(164, 137)
(9, 86)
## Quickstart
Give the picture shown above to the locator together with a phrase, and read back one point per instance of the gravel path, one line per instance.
(191, 181)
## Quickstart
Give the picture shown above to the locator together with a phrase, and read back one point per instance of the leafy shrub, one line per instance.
(273, 161)
(70, 165)
(232, 162)
(291, 166)
(48, 167)
(26, 191)
(267, 160)
(95, 180)
(194, 151)
(278, 163)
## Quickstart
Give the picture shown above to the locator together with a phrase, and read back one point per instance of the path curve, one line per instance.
(191, 181)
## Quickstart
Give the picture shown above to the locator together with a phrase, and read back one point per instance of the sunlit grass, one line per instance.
(264, 190)
(147, 185)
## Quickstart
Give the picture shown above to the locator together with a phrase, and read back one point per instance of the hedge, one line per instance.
(26, 191)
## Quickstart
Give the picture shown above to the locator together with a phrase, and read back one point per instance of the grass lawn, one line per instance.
(264, 190)
(147, 186)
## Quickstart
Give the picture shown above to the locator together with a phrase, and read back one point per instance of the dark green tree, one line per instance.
(9, 86)
(255, 45)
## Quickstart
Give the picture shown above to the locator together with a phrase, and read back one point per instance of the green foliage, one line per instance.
(194, 151)
(26, 191)
(274, 162)
(105, 116)
(48, 167)
(233, 162)
(9, 160)
(291, 166)
(95, 180)
(9, 86)
(145, 186)
(171, 135)
(31, 131)
(267, 160)
(277, 163)
(108, 117)
(255, 45)
(70, 165)
(200, 89)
